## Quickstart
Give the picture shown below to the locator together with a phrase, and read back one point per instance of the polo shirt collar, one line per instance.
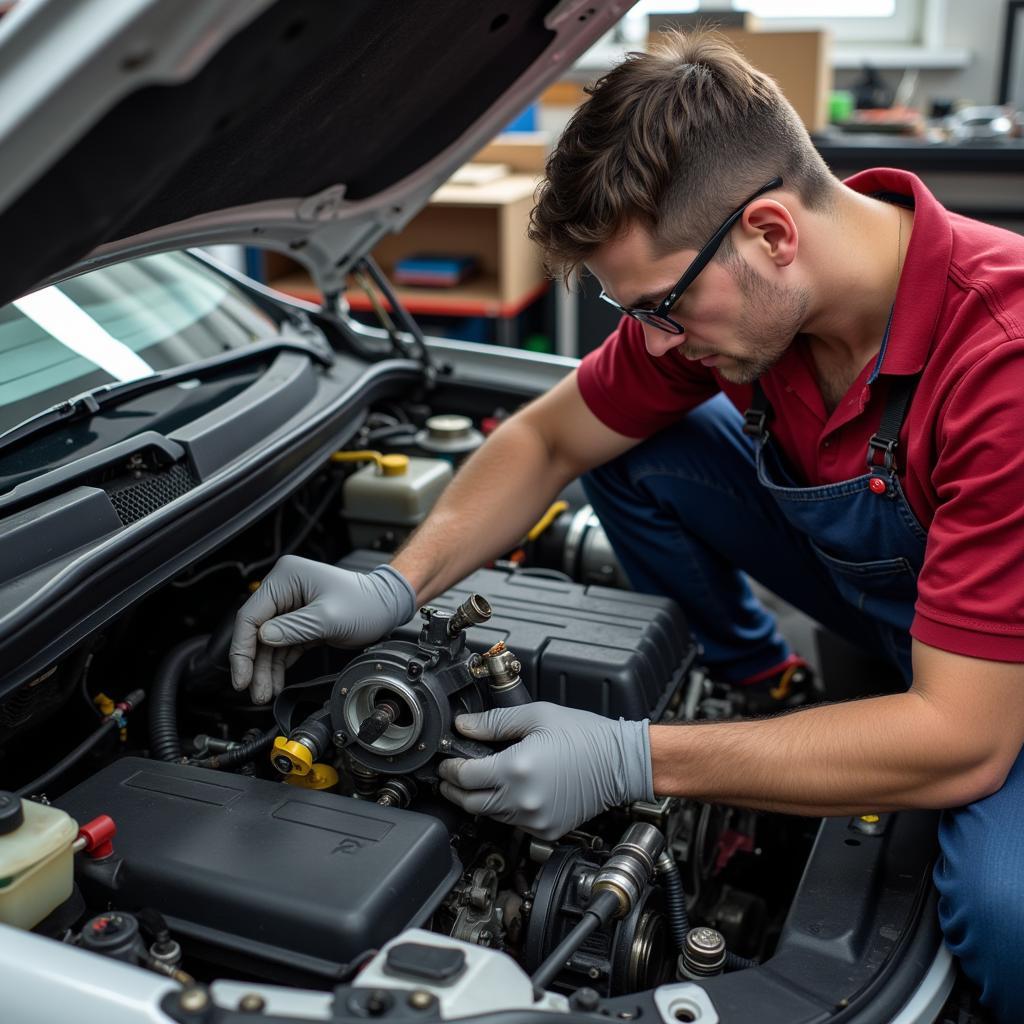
(925, 271)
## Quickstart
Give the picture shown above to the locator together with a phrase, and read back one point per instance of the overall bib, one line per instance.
(863, 530)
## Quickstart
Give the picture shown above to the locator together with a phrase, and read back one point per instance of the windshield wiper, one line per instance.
(88, 403)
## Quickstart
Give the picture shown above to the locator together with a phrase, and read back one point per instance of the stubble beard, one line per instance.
(770, 319)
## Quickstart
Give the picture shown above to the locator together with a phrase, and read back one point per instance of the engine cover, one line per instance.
(297, 877)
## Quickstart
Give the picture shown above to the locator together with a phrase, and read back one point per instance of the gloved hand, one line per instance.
(569, 766)
(301, 602)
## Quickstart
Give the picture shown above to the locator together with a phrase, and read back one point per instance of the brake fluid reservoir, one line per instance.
(403, 500)
(36, 861)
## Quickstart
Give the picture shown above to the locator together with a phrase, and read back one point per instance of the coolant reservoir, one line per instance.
(400, 500)
(36, 861)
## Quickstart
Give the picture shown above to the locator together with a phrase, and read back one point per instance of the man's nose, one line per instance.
(658, 342)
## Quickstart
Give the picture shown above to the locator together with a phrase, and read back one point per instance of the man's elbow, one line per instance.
(976, 783)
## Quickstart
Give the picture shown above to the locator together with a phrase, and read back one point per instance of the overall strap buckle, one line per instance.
(887, 446)
(755, 423)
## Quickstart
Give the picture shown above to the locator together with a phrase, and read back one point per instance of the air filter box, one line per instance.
(614, 652)
(271, 874)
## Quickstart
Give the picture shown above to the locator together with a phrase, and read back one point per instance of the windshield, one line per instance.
(116, 324)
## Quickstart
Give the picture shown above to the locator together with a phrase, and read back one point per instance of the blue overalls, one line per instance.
(693, 508)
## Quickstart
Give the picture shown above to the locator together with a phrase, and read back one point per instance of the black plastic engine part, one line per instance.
(284, 876)
(614, 652)
(628, 955)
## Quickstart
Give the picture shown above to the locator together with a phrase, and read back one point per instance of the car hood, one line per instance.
(308, 126)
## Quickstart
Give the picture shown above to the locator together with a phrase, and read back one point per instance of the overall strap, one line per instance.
(887, 438)
(755, 419)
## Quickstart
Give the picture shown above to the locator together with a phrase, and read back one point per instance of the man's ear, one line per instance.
(770, 227)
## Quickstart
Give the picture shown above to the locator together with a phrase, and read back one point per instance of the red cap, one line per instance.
(878, 485)
(98, 834)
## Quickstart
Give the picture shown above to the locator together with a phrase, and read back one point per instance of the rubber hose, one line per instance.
(108, 725)
(243, 752)
(215, 654)
(36, 785)
(164, 743)
(601, 910)
(738, 963)
(675, 898)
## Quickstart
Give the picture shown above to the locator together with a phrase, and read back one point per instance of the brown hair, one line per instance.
(674, 140)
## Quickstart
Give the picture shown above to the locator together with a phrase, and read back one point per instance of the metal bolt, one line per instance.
(484, 939)
(340, 738)
(593, 973)
(420, 1000)
(421, 746)
(445, 743)
(283, 764)
(344, 691)
(626, 1014)
(414, 670)
(378, 1002)
(252, 1002)
(378, 667)
(194, 999)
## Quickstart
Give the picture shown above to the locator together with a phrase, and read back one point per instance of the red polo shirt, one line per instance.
(959, 323)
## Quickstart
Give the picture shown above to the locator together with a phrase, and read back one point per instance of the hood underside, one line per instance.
(312, 126)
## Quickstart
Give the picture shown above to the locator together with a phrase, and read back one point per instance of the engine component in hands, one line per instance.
(394, 706)
(614, 652)
(316, 878)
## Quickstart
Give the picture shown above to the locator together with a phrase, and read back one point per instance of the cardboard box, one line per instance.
(800, 61)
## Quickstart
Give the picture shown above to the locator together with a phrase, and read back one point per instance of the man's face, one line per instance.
(735, 319)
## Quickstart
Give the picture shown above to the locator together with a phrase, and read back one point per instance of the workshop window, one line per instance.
(849, 21)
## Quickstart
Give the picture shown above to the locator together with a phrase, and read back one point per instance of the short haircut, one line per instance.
(672, 140)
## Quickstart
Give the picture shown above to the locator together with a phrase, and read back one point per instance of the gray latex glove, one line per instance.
(569, 766)
(300, 603)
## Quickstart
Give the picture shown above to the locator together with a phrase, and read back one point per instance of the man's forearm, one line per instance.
(880, 754)
(490, 505)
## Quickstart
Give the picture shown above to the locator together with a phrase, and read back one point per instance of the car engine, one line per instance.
(296, 843)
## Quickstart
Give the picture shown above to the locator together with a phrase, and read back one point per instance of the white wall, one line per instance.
(975, 25)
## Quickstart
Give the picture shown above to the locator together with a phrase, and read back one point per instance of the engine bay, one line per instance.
(305, 844)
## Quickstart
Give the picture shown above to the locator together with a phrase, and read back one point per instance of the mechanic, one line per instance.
(816, 383)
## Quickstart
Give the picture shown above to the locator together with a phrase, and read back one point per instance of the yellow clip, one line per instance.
(104, 704)
(387, 465)
(300, 757)
(321, 776)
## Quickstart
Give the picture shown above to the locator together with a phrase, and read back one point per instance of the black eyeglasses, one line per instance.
(658, 317)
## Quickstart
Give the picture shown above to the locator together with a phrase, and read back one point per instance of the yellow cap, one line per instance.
(394, 465)
(301, 757)
(870, 819)
(322, 776)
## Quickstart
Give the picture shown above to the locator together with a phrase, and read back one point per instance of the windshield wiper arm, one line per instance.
(88, 403)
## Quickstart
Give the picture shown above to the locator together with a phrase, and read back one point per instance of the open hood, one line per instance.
(308, 126)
